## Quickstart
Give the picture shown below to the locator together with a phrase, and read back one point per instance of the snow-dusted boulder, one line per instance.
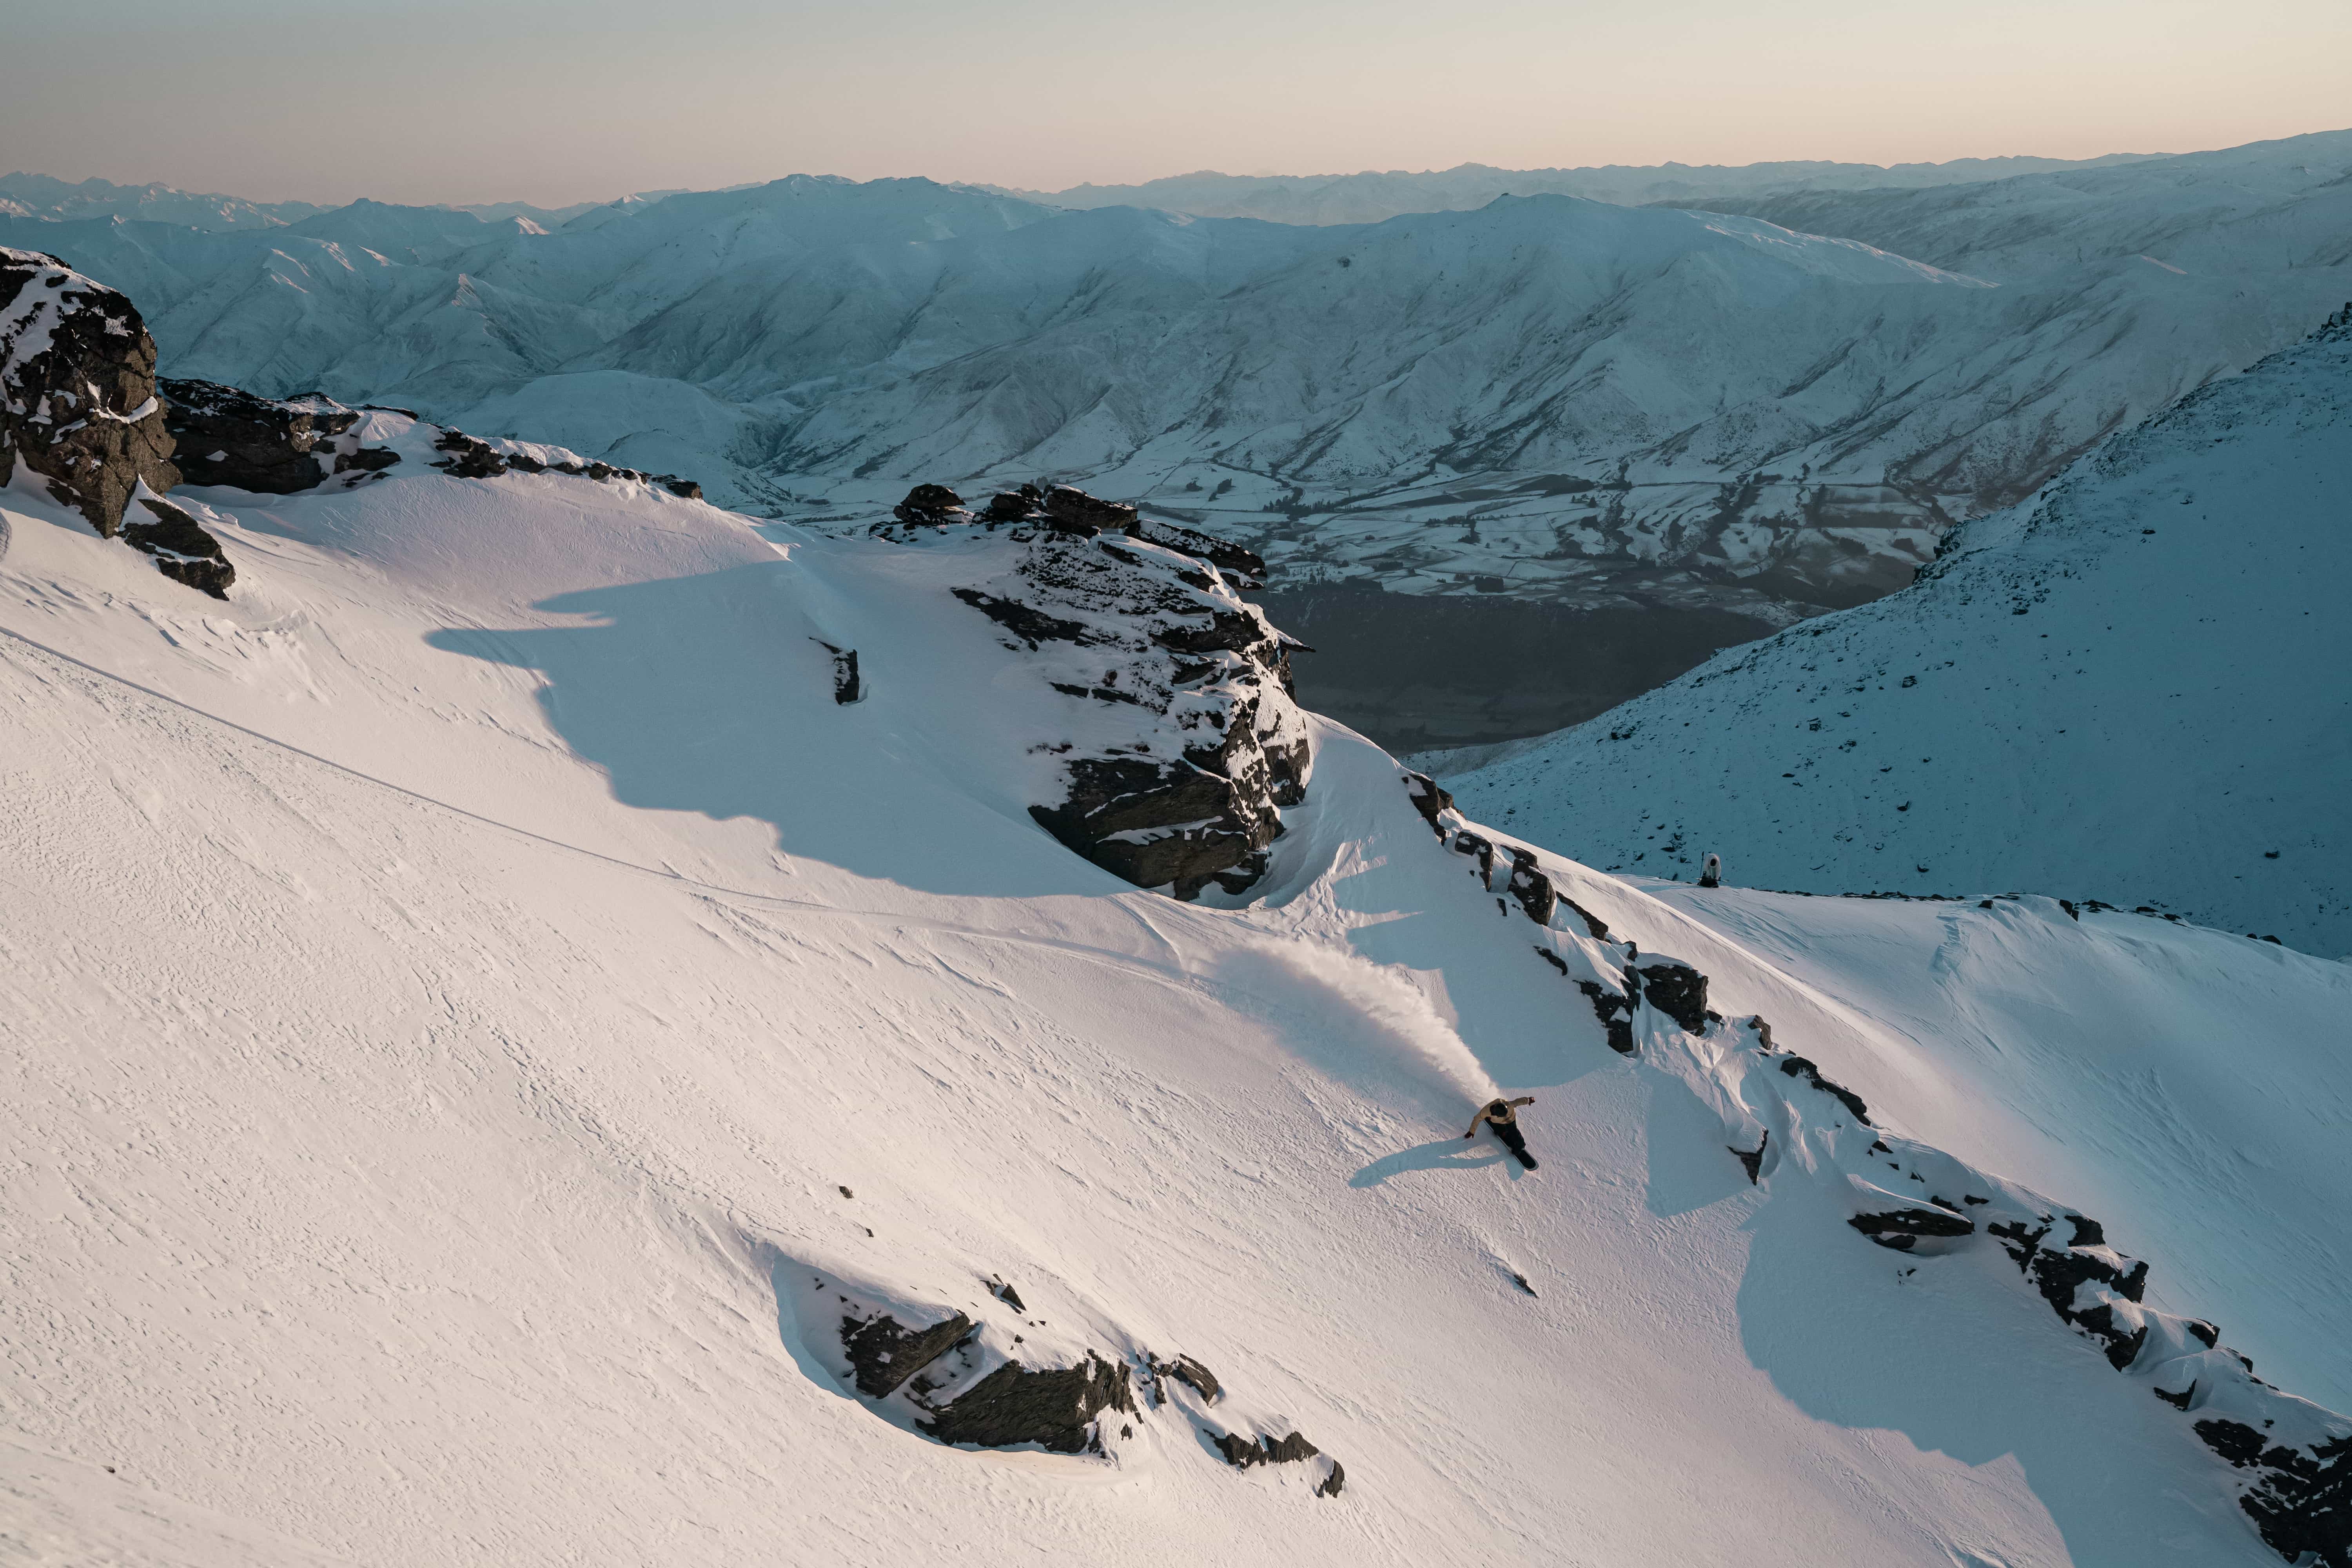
(78, 401)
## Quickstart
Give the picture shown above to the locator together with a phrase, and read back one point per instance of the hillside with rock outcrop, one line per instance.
(559, 1020)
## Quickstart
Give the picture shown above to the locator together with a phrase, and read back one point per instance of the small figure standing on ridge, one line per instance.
(1710, 872)
(1502, 1115)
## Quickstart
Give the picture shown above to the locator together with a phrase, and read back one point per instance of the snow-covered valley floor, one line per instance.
(452, 993)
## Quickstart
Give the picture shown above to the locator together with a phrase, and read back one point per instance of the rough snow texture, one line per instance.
(2136, 688)
(1549, 397)
(464, 994)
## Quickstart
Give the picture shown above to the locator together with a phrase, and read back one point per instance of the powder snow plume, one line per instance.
(1363, 1022)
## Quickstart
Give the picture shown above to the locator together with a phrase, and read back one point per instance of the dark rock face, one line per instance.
(1242, 1452)
(1193, 1375)
(183, 551)
(884, 1352)
(1752, 1160)
(2059, 1273)
(1428, 799)
(1481, 849)
(1053, 1409)
(1245, 567)
(2301, 1500)
(471, 458)
(931, 506)
(78, 403)
(1678, 991)
(275, 447)
(1615, 1012)
(1532, 888)
(1900, 1228)
(1211, 745)
(1076, 512)
(847, 686)
(1798, 1067)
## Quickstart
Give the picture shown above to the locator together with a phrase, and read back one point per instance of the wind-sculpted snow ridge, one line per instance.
(2134, 688)
(1185, 742)
(1779, 1112)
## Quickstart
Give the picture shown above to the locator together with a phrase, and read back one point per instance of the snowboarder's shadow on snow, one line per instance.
(1445, 1155)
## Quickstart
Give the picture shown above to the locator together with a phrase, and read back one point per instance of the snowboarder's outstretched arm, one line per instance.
(1473, 1122)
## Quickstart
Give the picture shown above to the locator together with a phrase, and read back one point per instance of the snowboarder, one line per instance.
(1710, 872)
(1502, 1115)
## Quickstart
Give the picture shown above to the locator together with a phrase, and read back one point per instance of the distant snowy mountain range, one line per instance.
(1709, 423)
(2132, 688)
(63, 201)
(1374, 196)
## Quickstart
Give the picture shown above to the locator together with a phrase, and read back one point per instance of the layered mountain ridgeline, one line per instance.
(1547, 399)
(53, 200)
(1373, 195)
(2134, 689)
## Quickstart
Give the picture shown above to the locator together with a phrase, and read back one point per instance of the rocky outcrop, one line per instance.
(1175, 773)
(271, 445)
(183, 551)
(77, 404)
(1532, 888)
(471, 458)
(1055, 1409)
(884, 1352)
(1676, 990)
(1189, 1372)
(1261, 1448)
(2299, 1499)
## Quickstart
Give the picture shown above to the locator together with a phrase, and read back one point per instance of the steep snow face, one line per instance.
(492, 1034)
(1551, 398)
(2133, 688)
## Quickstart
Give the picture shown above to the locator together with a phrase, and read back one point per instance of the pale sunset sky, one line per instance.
(423, 101)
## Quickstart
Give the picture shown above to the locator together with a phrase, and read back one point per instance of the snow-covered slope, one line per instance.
(1549, 398)
(482, 1011)
(2136, 686)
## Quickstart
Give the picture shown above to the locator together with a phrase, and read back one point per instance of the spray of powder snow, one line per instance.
(1360, 1022)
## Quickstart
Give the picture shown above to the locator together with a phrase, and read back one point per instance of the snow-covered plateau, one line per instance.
(557, 1023)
